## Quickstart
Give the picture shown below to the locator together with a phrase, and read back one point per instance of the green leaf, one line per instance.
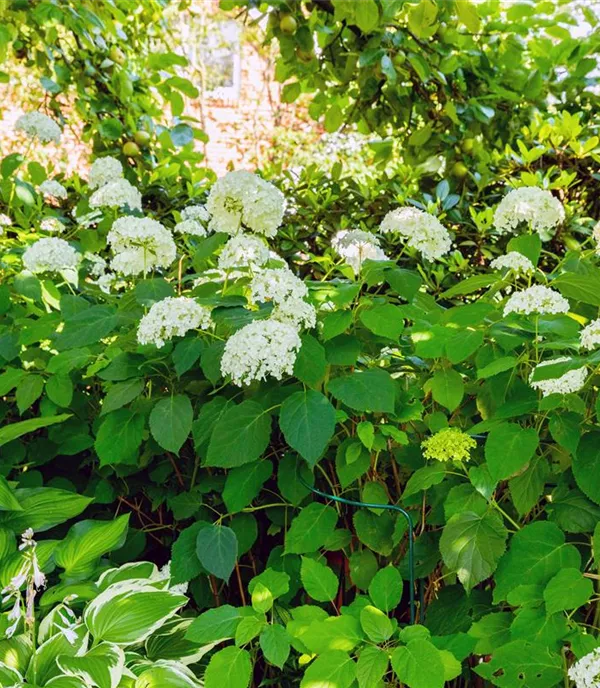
(508, 448)
(521, 663)
(310, 529)
(368, 390)
(185, 564)
(229, 667)
(121, 394)
(334, 118)
(87, 327)
(149, 291)
(171, 421)
(29, 390)
(385, 589)
(527, 488)
(491, 631)
(243, 484)
(371, 667)
(8, 501)
(335, 324)
(472, 544)
(375, 624)
(319, 581)
(421, 18)
(120, 437)
(463, 345)
(447, 388)
(186, 353)
(310, 365)
(567, 590)
(333, 668)
(275, 644)
(214, 625)
(585, 466)
(366, 15)
(419, 664)
(384, 321)
(584, 288)
(87, 541)
(59, 389)
(43, 508)
(217, 550)
(240, 436)
(307, 420)
(467, 14)
(424, 478)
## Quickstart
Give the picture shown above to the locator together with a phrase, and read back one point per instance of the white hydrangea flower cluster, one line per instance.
(53, 225)
(172, 317)
(243, 200)
(97, 264)
(287, 292)
(536, 299)
(536, 207)
(103, 171)
(571, 381)
(589, 337)
(193, 220)
(165, 574)
(514, 261)
(262, 348)
(421, 231)
(192, 227)
(40, 126)
(195, 212)
(5, 221)
(586, 672)
(355, 246)
(242, 251)
(117, 194)
(140, 245)
(52, 188)
(50, 255)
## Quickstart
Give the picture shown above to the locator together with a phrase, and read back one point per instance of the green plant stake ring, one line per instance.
(391, 507)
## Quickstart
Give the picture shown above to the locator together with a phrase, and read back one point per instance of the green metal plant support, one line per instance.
(390, 507)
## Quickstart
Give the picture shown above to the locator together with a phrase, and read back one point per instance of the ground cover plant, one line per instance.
(183, 364)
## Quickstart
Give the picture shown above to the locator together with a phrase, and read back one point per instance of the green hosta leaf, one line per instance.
(87, 541)
(333, 668)
(310, 529)
(240, 436)
(419, 664)
(537, 552)
(214, 625)
(275, 645)
(171, 421)
(44, 666)
(385, 589)
(59, 389)
(376, 624)
(472, 545)
(585, 466)
(121, 394)
(508, 448)
(243, 484)
(447, 388)
(43, 508)
(371, 667)
(522, 663)
(217, 550)
(87, 327)
(385, 321)
(567, 590)
(368, 390)
(102, 665)
(8, 501)
(319, 581)
(307, 420)
(128, 615)
(165, 673)
(119, 437)
(229, 667)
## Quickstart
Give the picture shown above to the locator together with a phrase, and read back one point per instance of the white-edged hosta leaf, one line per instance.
(43, 666)
(102, 665)
(169, 674)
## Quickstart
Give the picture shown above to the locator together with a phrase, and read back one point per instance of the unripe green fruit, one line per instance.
(468, 145)
(117, 55)
(304, 55)
(399, 59)
(131, 149)
(459, 170)
(288, 24)
(142, 138)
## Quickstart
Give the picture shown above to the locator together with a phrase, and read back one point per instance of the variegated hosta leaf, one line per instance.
(102, 666)
(15, 653)
(9, 677)
(66, 682)
(172, 674)
(127, 613)
(11, 566)
(43, 666)
(128, 572)
(170, 643)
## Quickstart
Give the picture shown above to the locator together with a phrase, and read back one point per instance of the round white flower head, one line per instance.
(53, 225)
(586, 672)
(190, 227)
(449, 444)
(262, 348)
(356, 246)
(296, 312)
(38, 125)
(195, 212)
(421, 231)
(571, 381)
(104, 170)
(52, 188)
(243, 251)
(536, 299)
(514, 261)
(242, 199)
(117, 194)
(50, 255)
(277, 285)
(97, 264)
(140, 245)
(536, 207)
(589, 337)
(172, 317)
